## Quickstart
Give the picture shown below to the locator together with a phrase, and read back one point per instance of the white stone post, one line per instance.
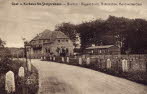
(50, 58)
(62, 59)
(67, 60)
(44, 57)
(41, 58)
(108, 63)
(80, 61)
(88, 61)
(124, 65)
(54, 58)
(21, 72)
(10, 82)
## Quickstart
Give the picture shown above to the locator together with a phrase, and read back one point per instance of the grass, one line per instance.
(22, 86)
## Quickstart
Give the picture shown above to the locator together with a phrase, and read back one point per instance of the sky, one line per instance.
(26, 21)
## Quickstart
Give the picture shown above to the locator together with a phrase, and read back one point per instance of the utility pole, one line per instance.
(25, 54)
(25, 44)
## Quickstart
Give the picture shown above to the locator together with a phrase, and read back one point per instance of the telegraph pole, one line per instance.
(26, 56)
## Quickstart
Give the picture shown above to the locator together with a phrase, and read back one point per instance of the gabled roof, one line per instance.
(100, 47)
(46, 34)
(52, 35)
(58, 34)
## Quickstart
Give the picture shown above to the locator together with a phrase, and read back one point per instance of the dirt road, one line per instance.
(55, 78)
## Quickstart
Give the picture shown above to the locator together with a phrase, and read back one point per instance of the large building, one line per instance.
(50, 43)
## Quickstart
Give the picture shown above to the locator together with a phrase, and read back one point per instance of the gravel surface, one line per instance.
(56, 78)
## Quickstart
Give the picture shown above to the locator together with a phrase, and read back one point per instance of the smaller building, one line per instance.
(103, 50)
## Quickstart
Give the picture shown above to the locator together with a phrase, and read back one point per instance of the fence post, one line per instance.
(62, 59)
(67, 60)
(124, 65)
(21, 72)
(10, 82)
(54, 58)
(88, 61)
(50, 58)
(108, 63)
(41, 58)
(80, 61)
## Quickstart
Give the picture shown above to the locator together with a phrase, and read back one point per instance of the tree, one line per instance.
(68, 29)
(129, 34)
(2, 43)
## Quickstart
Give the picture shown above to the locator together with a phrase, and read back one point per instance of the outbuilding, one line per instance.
(103, 50)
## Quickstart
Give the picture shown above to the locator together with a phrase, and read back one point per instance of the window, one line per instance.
(66, 40)
(33, 42)
(39, 41)
(58, 40)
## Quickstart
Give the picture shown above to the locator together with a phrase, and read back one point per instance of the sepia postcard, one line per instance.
(73, 47)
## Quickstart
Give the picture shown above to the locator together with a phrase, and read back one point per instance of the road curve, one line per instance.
(56, 78)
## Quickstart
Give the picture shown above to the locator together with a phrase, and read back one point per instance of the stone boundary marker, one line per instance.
(80, 61)
(10, 82)
(50, 58)
(88, 61)
(67, 59)
(21, 72)
(62, 59)
(124, 65)
(54, 58)
(108, 63)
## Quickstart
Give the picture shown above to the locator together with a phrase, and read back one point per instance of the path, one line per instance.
(56, 78)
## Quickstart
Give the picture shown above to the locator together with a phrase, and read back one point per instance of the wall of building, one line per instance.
(51, 47)
(104, 51)
(62, 43)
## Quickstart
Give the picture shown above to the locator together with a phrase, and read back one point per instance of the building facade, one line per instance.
(103, 50)
(54, 43)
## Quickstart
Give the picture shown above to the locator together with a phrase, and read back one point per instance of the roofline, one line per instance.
(96, 47)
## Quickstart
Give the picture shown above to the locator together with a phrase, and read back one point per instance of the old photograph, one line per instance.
(73, 47)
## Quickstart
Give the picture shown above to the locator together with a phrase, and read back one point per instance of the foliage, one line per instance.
(2, 43)
(5, 53)
(69, 30)
(129, 34)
